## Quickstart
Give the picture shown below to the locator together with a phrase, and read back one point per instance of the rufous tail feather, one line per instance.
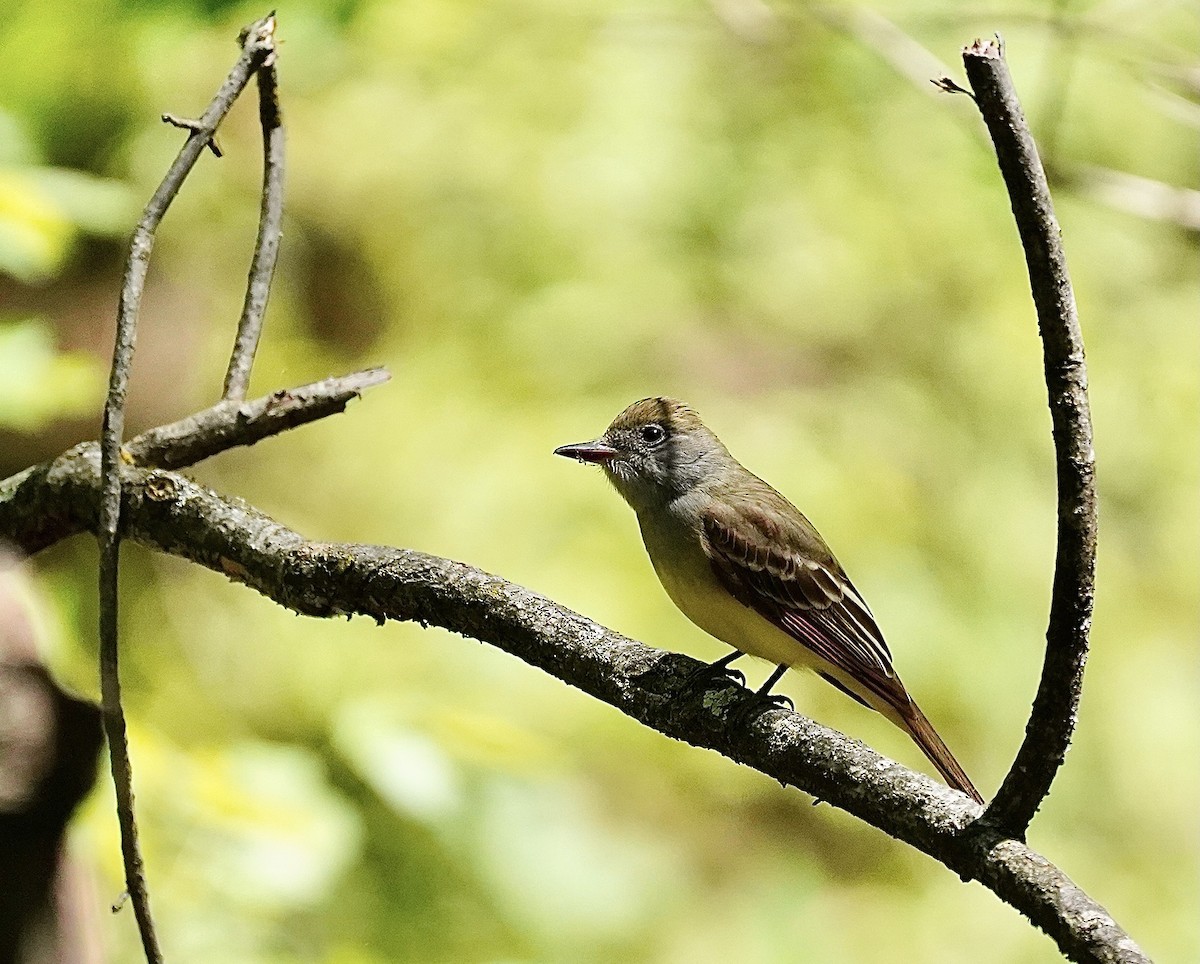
(926, 737)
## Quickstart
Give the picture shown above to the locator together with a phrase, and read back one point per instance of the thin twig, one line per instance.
(230, 424)
(1052, 721)
(187, 124)
(1134, 194)
(266, 245)
(883, 37)
(256, 46)
(947, 85)
(170, 513)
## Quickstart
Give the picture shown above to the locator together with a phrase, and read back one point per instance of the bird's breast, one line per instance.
(688, 578)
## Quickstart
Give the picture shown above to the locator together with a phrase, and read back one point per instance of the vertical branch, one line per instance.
(266, 246)
(257, 43)
(1052, 719)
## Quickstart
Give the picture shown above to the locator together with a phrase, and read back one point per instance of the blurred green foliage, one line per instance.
(535, 213)
(43, 208)
(38, 383)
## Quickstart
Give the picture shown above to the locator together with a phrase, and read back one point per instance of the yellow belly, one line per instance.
(688, 578)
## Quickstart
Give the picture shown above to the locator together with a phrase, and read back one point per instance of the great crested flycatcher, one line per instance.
(747, 567)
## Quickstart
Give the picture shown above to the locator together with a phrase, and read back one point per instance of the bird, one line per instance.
(746, 566)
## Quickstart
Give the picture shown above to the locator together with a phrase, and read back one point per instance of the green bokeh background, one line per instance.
(534, 213)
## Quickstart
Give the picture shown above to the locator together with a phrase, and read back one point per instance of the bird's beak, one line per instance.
(597, 452)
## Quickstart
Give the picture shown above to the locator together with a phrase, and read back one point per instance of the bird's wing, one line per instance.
(773, 560)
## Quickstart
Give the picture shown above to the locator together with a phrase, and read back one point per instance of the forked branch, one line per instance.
(258, 43)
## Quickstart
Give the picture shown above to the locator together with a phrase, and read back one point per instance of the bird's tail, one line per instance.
(926, 737)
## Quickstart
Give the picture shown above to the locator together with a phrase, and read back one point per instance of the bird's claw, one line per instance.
(713, 674)
(756, 705)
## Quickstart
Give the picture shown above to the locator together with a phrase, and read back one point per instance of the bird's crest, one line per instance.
(671, 413)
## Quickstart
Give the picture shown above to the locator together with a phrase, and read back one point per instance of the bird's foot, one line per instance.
(715, 674)
(755, 705)
(762, 701)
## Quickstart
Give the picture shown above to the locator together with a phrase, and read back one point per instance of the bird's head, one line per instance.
(654, 451)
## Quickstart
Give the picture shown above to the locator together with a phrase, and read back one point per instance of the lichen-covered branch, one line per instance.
(1052, 721)
(167, 512)
(226, 425)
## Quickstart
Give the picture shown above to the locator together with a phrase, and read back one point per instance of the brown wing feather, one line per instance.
(776, 563)
(795, 582)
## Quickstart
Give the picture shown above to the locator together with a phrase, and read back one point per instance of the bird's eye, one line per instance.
(653, 434)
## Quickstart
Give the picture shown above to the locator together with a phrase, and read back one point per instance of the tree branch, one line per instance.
(169, 513)
(1052, 721)
(226, 425)
(89, 488)
(270, 230)
(232, 423)
(257, 45)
